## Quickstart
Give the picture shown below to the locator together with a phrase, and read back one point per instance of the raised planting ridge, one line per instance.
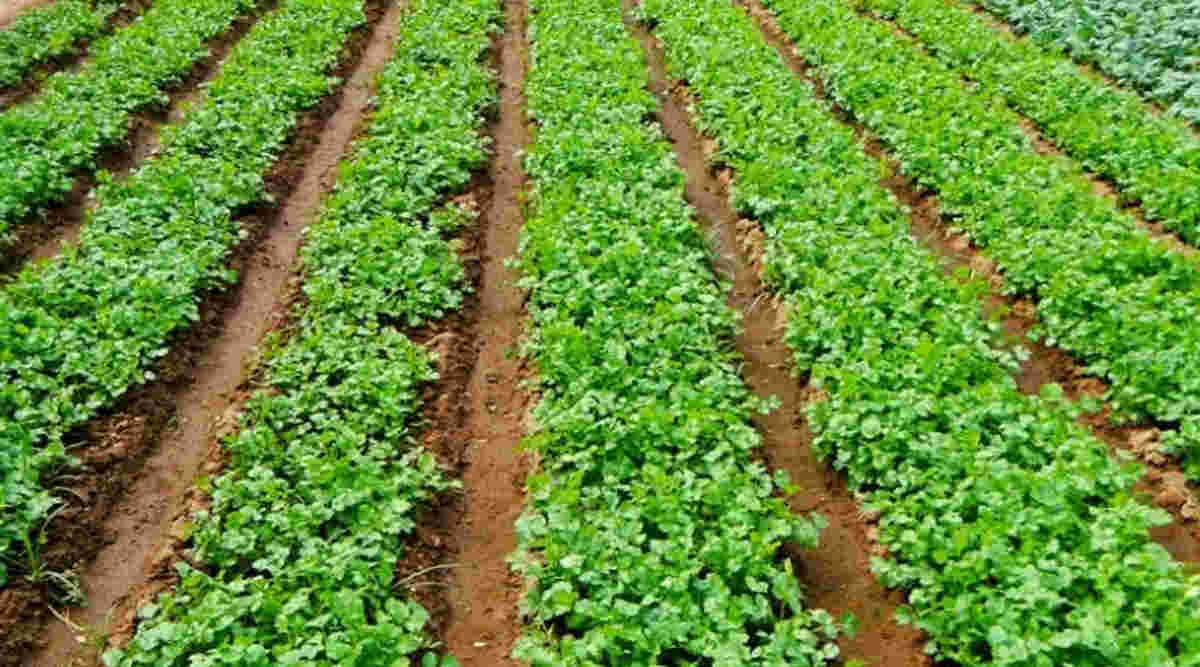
(78, 333)
(651, 535)
(1011, 528)
(296, 561)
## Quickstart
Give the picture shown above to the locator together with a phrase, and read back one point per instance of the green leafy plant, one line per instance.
(45, 143)
(1015, 535)
(78, 333)
(1126, 305)
(326, 479)
(1154, 160)
(651, 536)
(432, 660)
(48, 32)
(1154, 46)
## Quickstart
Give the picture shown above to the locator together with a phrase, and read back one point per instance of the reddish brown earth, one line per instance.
(836, 574)
(43, 236)
(1163, 483)
(11, 9)
(425, 574)
(144, 458)
(483, 622)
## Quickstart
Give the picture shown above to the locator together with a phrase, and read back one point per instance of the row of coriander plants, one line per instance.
(327, 478)
(1125, 304)
(1011, 529)
(48, 32)
(1152, 45)
(76, 334)
(1153, 158)
(46, 142)
(651, 536)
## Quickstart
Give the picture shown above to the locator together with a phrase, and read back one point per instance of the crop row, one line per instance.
(1126, 305)
(650, 535)
(1012, 530)
(76, 334)
(1153, 45)
(48, 32)
(326, 478)
(45, 143)
(1154, 159)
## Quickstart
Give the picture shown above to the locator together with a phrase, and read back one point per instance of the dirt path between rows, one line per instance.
(139, 526)
(11, 9)
(1164, 484)
(41, 237)
(483, 594)
(836, 574)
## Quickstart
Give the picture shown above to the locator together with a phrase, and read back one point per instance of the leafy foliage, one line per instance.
(78, 114)
(47, 32)
(306, 528)
(1125, 304)
(651, 536)
(326, 480)
(381, 253)
(76, 334)
(1154, 46)
(1011, 528)
(1154, 159)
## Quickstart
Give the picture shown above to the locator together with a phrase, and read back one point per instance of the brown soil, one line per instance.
(1161, 485)
(837, 574)
(143, 458)
(19, 92)
(484, 623)
(11, 9)
(425, 573)
(41, 237)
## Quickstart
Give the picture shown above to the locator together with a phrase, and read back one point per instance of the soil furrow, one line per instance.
(1163, 484)
(11, 9)
(431, 552)
(20, 92)
(837, 574)
(483, 621)
(1102, 186)
(149, 452)
(43, 236)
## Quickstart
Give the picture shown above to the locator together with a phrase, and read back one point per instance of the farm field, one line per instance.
(599, 333)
